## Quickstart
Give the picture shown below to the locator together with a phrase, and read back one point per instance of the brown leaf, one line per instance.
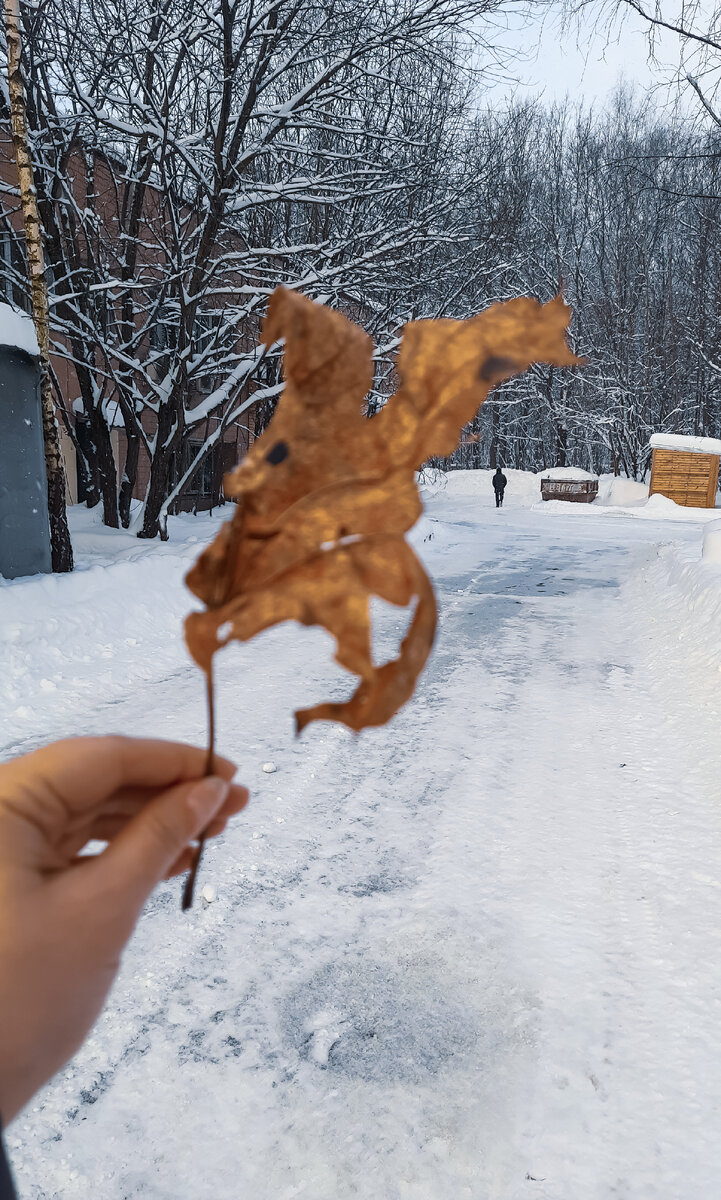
(448, 368)
(325, 496)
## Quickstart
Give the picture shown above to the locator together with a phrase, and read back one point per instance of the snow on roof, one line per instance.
(691, 445)
(17, 329)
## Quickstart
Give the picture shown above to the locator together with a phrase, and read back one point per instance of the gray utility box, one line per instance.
(24, 524)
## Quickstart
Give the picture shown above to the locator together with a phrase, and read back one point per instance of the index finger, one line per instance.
(82, 771)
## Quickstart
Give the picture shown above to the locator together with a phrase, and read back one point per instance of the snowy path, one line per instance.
(473, 955)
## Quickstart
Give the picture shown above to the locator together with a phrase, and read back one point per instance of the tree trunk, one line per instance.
(561, 445)
(168, 443)
(158, 488)
(495, 430)
(92, 437)
(105, 468)
(88, 490)
(130, 473)
(61, 547)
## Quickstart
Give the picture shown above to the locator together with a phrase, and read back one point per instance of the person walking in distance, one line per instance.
(499, 486)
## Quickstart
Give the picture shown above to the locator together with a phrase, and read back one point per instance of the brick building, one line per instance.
(98, 176)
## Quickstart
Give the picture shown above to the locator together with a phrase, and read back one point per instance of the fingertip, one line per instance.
(237, 799)
(224, 767)
(216, 826)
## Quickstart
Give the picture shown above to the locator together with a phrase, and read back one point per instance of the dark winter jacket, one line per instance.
(7, 1191)
(499, 480)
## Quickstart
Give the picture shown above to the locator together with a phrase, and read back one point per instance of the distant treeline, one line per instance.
(620, 208)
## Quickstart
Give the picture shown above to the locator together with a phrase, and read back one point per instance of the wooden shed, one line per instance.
(685, 469)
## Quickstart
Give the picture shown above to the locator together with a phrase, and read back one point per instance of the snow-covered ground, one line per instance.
(474, 954)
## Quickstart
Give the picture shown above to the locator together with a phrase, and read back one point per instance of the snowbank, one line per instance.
(616, 490)
(679, 593)
(655, 508)
(109, 627)
(523, 488)
(17, 329)
(691, 445)
(712, 542)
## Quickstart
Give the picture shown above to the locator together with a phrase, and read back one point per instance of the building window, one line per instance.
(161, 329)
(6, 274)
(210, 336)
(201, 483)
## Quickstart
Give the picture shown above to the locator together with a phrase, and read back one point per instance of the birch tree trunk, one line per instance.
(61, 547)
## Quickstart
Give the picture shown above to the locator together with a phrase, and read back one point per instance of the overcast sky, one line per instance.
(581, 61)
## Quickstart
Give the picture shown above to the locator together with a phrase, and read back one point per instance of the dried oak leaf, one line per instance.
(325, 496)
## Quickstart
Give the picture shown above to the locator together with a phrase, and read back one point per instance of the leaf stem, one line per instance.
(188, 890)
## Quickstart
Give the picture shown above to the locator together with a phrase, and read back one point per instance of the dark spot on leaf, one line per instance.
(496, 365)
(277, 454)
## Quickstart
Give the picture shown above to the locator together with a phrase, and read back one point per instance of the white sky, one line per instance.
(579, 60)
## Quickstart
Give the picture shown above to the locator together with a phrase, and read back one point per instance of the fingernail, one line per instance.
(207, 797)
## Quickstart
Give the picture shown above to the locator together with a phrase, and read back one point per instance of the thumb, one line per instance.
(142, 854)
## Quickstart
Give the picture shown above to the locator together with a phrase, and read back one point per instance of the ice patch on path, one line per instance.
(367, 1019)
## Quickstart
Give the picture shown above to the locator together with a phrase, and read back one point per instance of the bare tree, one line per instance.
(696, 30)
(187, 167)
(61, 547)
(621, 208)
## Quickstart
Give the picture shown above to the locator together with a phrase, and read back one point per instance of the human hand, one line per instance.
(64, 919)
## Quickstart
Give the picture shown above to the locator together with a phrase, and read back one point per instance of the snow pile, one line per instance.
(107, 628)
(17, 329)
(523, 487)
(659, 507)
(87, 636)
(616, 490)
(655, 508)
(562, 474)
(617, 496)
(94, 544)
(712, 543)
(690, 445)
(679, 592)
(431, 481)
